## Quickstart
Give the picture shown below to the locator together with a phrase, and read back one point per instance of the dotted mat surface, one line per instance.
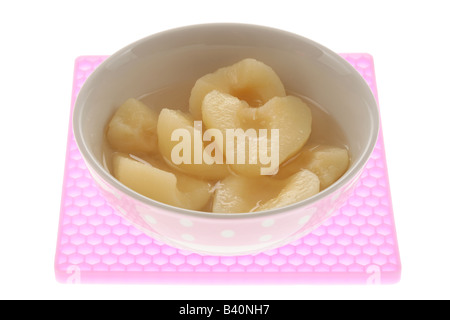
(357, 244)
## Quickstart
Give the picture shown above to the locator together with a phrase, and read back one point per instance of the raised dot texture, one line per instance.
(227, 233)
(268, 223)
(186, 222)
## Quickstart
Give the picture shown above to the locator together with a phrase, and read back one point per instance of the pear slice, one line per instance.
(287, 122)
(161, 185)
(249, 80)
(238, 194)
(177, 137)
(300, 186)
(329, 163)
(133, 128)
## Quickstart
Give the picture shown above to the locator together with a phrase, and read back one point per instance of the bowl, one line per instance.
(183, 55)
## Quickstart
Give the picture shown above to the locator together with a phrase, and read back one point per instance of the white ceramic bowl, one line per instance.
(187, 53)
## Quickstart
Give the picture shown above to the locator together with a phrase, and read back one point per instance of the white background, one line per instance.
(409, 41)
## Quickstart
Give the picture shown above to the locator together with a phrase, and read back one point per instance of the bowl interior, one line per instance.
(185, 54)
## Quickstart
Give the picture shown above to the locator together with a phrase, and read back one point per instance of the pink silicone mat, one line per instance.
(357, 244)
